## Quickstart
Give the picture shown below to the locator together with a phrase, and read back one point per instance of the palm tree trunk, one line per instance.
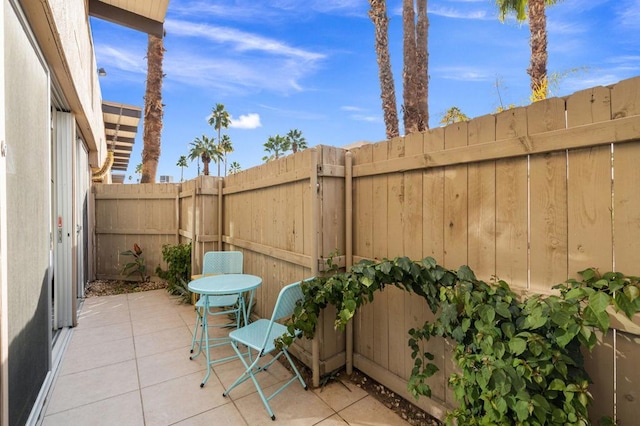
(538, 67)
(152, 110)
(422, 66)
(409, 74)
(378, 14)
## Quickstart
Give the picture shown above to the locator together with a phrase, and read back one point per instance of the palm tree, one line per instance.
(296, 140)
(415, 78)
(219, 119)
(205, 149)
(275, 146)
(234, 167)
(378, 14)
(152, 109)
(227, 148)
(535, 10)
(182, 163)
(138, 170)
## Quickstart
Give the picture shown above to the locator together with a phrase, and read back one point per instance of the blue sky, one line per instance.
(278, 65)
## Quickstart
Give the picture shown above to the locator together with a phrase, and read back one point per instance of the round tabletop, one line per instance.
(224, 284)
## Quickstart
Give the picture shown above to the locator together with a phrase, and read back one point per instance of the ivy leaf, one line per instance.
(502, 309)
(599, 301)
(560, 318)
(558, 416)
(522, 410)
(487, 314)
(588, 274)
(632, 292)
(466, 274)
(366, 281)
(499, 350)
(557, 385)
(508, 329)
(517, 345)
(623, 303)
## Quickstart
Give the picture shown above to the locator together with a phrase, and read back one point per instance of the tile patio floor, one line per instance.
(127, 363)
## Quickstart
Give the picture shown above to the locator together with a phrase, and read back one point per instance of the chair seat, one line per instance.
(218, 301)
(253, 335)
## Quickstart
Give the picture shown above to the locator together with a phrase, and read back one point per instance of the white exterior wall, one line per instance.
(72, 60)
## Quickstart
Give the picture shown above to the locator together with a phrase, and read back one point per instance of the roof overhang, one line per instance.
(142, 15)
(120, 128)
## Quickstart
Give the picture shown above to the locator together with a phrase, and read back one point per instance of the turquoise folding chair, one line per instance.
(218, 262)
(260, 336)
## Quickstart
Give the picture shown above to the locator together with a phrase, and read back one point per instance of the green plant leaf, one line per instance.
(522, 410)
(623, 303)
(487, 314)
(632, 292)
(557, 384)
(599, 301)
(517, 345)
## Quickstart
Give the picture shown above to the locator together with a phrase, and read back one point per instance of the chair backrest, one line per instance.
(286, 302)
(222, 262)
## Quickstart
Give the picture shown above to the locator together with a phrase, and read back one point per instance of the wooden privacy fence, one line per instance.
(286, 216)
(531, 195)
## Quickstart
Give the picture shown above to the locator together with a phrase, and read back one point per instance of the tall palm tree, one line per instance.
(275, 146)
(205, 149)
(378, 15)
(182, 163)
(219, 119)
(152, 109)
(296, 140)
(535, 11)
(415, 77)
(234, 167)
(138, 170)
(227, 148)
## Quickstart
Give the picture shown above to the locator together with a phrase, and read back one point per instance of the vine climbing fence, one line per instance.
(531, 195)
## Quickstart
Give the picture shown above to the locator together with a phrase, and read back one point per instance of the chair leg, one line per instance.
(250, 373)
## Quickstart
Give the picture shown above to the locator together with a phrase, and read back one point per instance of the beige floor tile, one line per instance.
(340, 394)
(369, 411)
(153, 323)
(75, 390)
(226, 414)
(292, 406)
(83, 336)
(84, 358)
(178, 399)
(157, 368)
(121, 410)
(101, 318)
(162, 341)
(109, 301)
(144, 311)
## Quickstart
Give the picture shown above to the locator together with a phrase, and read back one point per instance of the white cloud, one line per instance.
(350, 108)
(238, 40)
(464, 73)
(120, 58)
(448, 12)
(367, 118)
(246, 121)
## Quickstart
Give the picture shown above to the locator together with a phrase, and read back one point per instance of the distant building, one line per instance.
(166, 179)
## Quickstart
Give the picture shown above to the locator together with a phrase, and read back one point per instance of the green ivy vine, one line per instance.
(520, 360)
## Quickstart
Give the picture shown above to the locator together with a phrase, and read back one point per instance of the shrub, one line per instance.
(178, 273)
